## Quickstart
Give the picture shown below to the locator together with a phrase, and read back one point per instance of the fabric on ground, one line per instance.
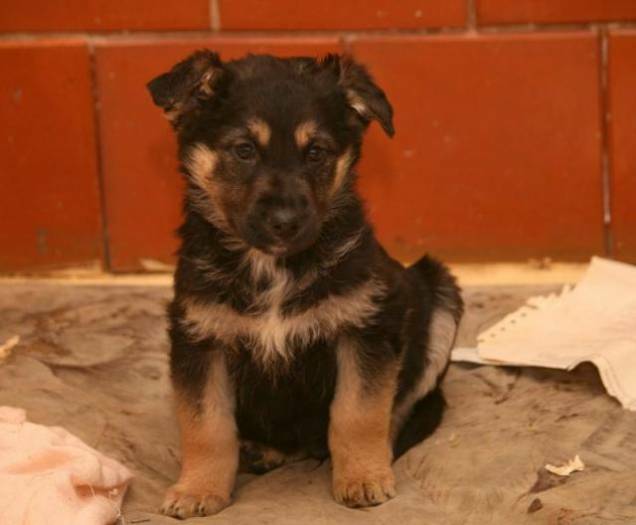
(50, 477)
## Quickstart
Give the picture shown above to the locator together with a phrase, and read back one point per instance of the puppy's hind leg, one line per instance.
(420, 411)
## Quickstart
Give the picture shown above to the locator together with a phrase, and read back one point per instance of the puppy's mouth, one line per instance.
(286, 250)
(281, 247)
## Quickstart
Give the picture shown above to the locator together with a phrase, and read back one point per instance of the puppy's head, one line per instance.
(268, 144)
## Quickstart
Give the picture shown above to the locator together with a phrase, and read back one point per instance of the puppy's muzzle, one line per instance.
(284, 223)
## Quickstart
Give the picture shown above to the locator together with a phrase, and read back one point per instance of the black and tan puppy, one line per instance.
(293, 332)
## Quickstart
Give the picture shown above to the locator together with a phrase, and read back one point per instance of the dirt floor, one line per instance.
(94, 360)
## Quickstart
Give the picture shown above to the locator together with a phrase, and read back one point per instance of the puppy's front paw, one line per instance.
(183, 503)
(365, 490)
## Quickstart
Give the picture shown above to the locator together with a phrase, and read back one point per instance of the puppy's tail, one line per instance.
(425, 417)
(437, 280)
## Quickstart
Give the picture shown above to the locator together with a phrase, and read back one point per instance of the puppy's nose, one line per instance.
(284, 223)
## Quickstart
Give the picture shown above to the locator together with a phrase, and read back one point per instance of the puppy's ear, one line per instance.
(188, 83)
(363, 94)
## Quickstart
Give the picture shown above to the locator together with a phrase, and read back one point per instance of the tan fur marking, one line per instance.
(356, 102)
(359, 433)
(304, 132)
(270, 330)
(201, 162)
(173, 113)
(263, 265)
(209, 448)
(207, 81)
(340, 252)
(261, 130)
(342, 168)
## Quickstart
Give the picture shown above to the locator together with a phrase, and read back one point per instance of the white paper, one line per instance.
(594, 322)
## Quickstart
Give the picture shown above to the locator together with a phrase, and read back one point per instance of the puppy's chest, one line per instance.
(283, 315)
(268, 324)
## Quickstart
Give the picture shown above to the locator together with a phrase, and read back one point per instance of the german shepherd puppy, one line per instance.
(293, 333)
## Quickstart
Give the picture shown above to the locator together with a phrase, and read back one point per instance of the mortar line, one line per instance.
(605, 125)
(116, 35)
(347, 44)
(215, 15)
(531, 27)
(99, 159)
(471, 16)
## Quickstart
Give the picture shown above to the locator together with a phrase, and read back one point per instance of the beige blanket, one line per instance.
(94, 360)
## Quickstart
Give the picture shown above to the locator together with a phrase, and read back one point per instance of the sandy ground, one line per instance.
(93, 358)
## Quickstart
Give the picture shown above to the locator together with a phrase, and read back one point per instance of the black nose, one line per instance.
(284, 223)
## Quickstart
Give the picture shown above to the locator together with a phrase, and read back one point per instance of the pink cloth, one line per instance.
(50, 477)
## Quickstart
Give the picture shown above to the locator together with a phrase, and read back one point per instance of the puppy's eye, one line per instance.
(315, 153)
(245, 151)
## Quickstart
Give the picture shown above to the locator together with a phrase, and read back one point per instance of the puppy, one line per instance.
(293, 333)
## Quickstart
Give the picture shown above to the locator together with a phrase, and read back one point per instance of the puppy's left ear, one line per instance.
(363, 94)
(187, 84)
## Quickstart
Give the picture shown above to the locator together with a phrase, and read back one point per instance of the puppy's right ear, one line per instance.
(187, 84)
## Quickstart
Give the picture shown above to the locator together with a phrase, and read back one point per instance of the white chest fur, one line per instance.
(271, 334)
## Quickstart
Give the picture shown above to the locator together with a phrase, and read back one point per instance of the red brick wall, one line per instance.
(516, 122)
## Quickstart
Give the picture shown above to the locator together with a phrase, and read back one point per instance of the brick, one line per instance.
(97, 15)
(497, 150)
(622, 104)
(336, 14)
(142, 186)
(49, 203)
(550, 11)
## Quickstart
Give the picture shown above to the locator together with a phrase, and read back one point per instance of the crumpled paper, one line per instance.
(593, 322)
